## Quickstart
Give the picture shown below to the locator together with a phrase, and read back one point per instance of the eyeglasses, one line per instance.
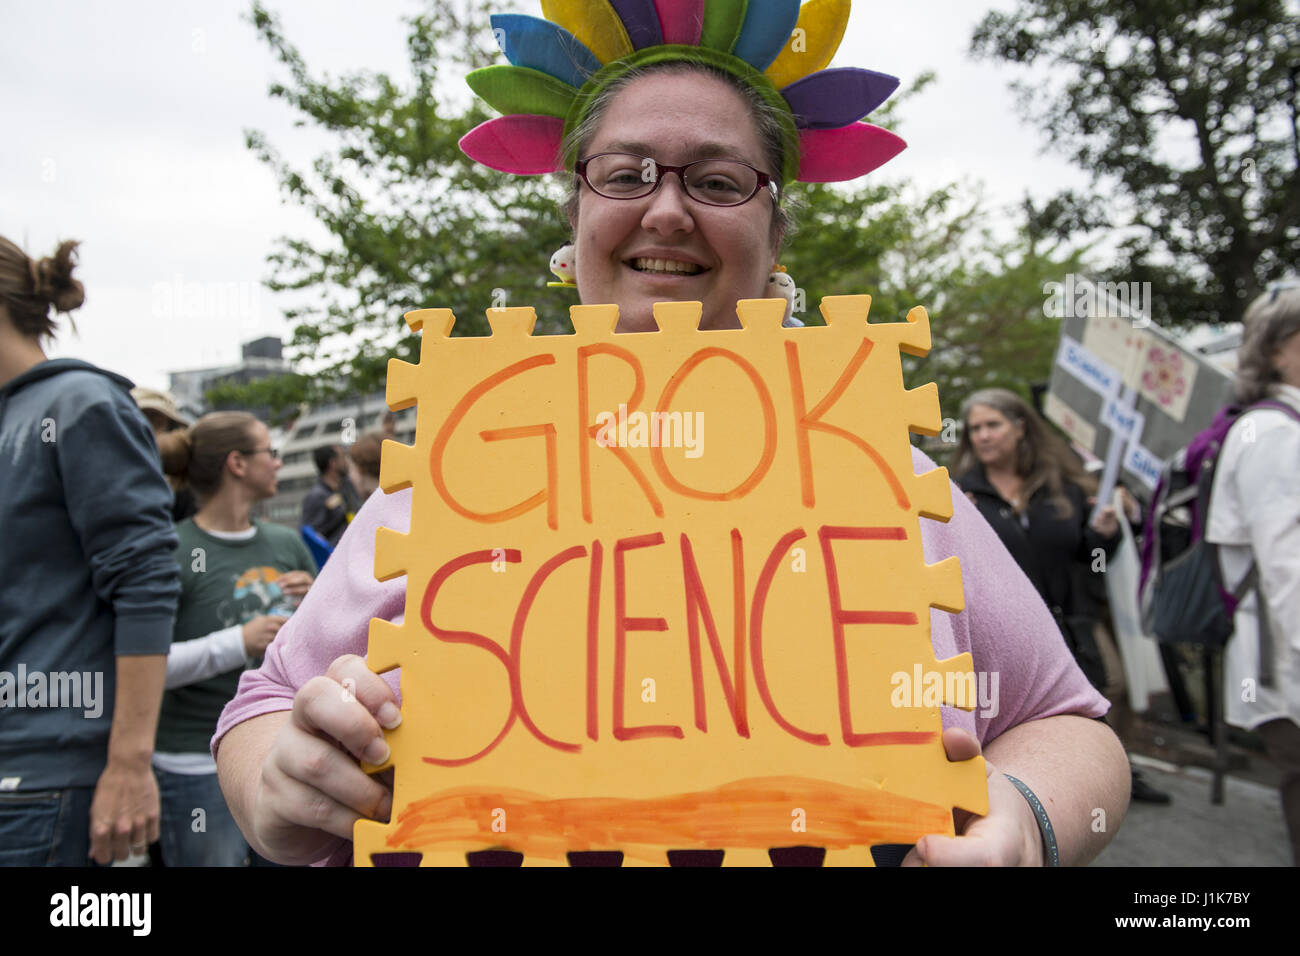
(713, 182)
(274, 453)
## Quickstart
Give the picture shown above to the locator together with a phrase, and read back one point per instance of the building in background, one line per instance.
(336, 423)
(262, 358)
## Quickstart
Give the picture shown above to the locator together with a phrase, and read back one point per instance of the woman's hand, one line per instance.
(1008, 836)
(294, 584)
(1131, 507)
(1105, 522)
(311, 788)
(259, 632)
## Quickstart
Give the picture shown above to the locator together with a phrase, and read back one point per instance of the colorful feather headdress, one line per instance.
(558, 65)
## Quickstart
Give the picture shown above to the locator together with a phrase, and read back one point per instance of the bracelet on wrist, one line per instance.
(1051, 855)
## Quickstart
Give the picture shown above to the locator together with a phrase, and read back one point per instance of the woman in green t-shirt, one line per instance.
(240, 579)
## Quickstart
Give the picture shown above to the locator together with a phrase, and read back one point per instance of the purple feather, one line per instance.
(829, 99)
(641, 21)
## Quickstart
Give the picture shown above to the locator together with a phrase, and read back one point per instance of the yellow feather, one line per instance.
(811, 47)
(594, 23)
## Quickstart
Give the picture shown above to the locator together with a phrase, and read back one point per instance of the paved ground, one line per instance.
(1247, 830)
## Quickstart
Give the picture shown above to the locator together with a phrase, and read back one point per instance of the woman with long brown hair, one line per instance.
(1030, 487)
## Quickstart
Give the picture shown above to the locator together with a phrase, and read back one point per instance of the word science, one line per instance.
(621, 644)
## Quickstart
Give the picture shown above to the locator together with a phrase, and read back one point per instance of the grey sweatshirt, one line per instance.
(87, 566)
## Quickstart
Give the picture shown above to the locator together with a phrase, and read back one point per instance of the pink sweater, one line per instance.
(1006, 626)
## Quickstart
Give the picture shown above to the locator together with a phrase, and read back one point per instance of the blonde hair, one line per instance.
(1269, 321)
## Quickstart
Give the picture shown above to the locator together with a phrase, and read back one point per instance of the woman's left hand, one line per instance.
(294, 583)
(1007, 836)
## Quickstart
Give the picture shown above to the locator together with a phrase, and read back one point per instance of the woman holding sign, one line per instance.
(678, 150)
(1030, 489)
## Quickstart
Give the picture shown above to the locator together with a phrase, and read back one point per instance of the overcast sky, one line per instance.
(124, 129)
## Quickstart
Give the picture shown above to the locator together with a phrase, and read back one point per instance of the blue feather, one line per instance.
(541, 45)
(767, 27)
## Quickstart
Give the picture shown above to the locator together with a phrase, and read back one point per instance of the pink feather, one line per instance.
(838, 155)
(681, 20)
(522, 145)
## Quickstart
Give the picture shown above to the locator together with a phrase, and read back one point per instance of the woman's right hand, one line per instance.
(311, 788)
(260, 632)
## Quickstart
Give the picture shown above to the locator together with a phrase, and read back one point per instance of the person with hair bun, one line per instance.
(1255, 519)
(240, 580)
(90, 587)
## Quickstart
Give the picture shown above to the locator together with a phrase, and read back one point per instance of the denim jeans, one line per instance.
(46, 827)
(196, 827)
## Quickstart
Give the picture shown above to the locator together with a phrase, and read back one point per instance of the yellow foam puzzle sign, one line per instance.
(657, 586)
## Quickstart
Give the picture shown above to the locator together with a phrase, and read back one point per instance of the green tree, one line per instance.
(1130, 86)
(983, 293)
(906, 247)
(411, 221)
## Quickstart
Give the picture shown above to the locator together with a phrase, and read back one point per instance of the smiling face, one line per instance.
(993, 437)
(667, 247)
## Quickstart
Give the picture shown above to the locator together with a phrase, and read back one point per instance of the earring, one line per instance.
(564, 265)
(780, 285)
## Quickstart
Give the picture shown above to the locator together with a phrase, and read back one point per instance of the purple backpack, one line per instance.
(1181, 591)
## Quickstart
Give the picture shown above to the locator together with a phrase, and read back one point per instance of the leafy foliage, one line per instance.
(983, 294)
(1134, 83)
(412, 222)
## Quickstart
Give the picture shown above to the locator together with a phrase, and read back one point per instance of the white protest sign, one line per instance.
(1123, 420)
(1143, 464)
(1088, 368)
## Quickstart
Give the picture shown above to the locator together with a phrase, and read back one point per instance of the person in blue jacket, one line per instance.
(89, 588)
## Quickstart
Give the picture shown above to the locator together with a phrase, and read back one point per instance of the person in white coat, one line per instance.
(1255, 518)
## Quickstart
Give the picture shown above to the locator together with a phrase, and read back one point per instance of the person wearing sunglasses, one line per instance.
(240, 579)
(676, 160)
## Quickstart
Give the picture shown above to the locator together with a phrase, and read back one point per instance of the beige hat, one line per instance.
(150, 399)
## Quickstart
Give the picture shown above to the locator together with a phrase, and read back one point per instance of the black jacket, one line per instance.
(1057, 553)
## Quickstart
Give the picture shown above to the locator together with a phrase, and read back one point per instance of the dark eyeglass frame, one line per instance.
(764, 180)
(273, 452)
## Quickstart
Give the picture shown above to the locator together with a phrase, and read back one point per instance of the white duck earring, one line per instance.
(780, 285)
(564, 265)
